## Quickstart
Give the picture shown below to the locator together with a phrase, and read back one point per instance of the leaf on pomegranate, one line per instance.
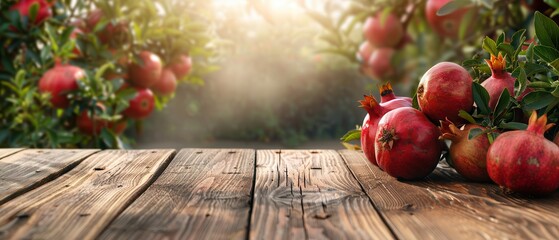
(501, 39)
(548, 54)
(351, 135)
(481, 98)
(513, 126)
(452, 6)
(465, 115)
(547, 30)
(502, 103)
(489, 45)
(474, 132)
(537, 100)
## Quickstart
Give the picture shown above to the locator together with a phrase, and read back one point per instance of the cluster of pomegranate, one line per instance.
(146, 75)
(407, 143)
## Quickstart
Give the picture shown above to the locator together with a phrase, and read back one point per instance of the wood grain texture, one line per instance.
(310, 195)
(203, 194)
(444, 206)
(4, 152)
(82, 202)
(26, 170)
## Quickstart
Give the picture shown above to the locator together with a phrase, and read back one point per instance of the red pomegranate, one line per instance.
(167, 84)
(500, 79)
(380, 64)
(447, 25)
(91, 124)
(374, 112)
(364, 53)
(181, 66)
(147, 71)
(58, 81)
(24, 7)
(444, 90)
(524, 161)
(468, 155)
(407, 144)
(383, 30)
(118, 127)
(141, 105)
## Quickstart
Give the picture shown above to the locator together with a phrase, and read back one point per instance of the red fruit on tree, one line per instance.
(113, 30)
(24, 7)
(447, 25)
(468, 155)
(444, 90)
(147, 71)
(167, 84)
(525, 161)
(383, 30)
(118, 127)
(58, 81)
(407, 144)
(91, 124)
(500, 79)
(181, 66)
(364, 53)
(379, 65)
(374, 112)
(141, 105)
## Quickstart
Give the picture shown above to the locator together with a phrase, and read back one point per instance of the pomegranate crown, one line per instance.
(386, 92)
(449, 131)
(498, 63)
(538, 125)
(370, 104)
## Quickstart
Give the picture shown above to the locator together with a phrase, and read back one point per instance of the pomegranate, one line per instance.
(444, 90)
(499, 80)
(91, 125)
(383, 31)
(524, 161)
(468, 155)
(59, 80)
(118, 127)
(556, 140)
(374, 112)
(112, 31)
(147, 72)
(182, 66)
(407, 144)
(364, 53)
(141, 105)
(380, 64)
(167, 84)
(24, 7)
(447, 25)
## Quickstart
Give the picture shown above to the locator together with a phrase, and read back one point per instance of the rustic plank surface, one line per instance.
(26, 170)
(82, 202)
(310, 195)
(4, 152)
(203, 194)
(446, 207)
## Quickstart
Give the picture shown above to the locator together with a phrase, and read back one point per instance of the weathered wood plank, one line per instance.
(82, 202)
(26, 170)
(444, 206)
(203, 194)
(310, 194)
(4, 152)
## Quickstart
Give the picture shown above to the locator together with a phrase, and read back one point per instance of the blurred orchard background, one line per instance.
(249, 73)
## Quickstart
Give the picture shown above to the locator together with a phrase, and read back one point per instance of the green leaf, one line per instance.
(452, 6)
(547, 30)
(415, 103)
(490, 46)
(553, 3)
(513, 126)
(465, 115)
(502, 103)
(518, 38)
(351, 135)
(548, 54)
(537, 100)
(481, 98)
(474, 132)
(501, 38)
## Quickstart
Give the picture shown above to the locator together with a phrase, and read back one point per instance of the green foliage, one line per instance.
(168, 28)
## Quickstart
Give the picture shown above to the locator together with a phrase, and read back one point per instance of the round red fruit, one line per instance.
(380, 64)
(24, 7)
(383, 30)
(91, 124)
(364, 53)
(60, 80)
(182, 66)
(447, 25)
(167, 84)
(141, 105)
(147, 71)
(524, 161)
(444, 90)
(407, 144)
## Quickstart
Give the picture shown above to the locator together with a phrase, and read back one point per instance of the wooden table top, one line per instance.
(254, 194)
